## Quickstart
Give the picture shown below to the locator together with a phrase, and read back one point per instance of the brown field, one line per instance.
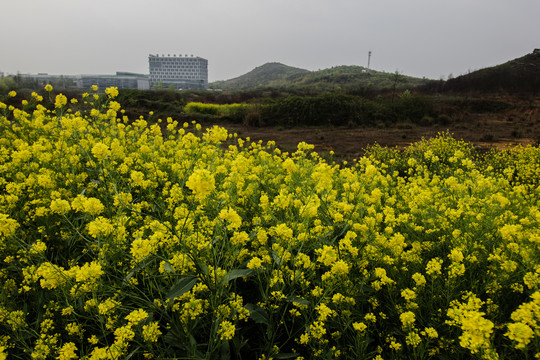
(519, 125)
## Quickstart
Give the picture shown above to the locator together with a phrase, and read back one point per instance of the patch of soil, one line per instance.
(519, 125)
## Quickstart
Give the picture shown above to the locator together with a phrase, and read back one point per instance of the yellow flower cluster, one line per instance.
(60, 101)
(201, 182)
(476, 329)
(120, 237)
(526, 325)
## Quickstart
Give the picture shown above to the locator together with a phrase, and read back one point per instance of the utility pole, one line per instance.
(368, 59)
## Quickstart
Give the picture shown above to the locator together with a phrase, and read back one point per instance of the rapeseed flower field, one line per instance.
(121, 239)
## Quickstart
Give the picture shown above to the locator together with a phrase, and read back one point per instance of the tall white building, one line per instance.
(182, 72)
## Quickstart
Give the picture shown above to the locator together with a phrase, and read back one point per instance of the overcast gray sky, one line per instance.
(431, 38)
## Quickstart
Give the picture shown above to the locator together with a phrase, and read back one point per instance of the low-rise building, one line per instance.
(122, 80)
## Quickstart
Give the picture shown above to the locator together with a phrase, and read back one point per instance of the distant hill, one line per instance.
(518, 75)
(272, 74)
(277, 75)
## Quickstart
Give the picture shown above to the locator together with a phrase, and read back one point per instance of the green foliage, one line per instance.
(342, 78)
(341, 109)
(521, 75)
(325, 109)
(267, 75)
(7, 84)
(329, 109)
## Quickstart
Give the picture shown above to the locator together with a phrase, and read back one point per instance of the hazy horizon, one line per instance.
(422, 38)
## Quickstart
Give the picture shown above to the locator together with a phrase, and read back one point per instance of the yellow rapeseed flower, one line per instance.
(433, 267)
(521, 333)
(92, 206)
(430, 333)
(151, 332)
(408, 294)
(124, 333)
(7, 226)
(88, 272)
(60, 101)
(327, 255)
(73, 329)
(60, 206)
(419, 279)
(359, 326)
(112, 92)
(113, 105)
(254, 263)
(340, 268)
(107, 306)
(38, 247)
(52, 275)
(413, 339)
(100, 227)
(136, 316)
(141, 248)
(234, 221)
(407, 319)
(67, 352)
(100, 151)
(226, 330)
(202, 183)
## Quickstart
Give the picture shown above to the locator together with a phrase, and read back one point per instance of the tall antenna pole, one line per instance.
(368, 59)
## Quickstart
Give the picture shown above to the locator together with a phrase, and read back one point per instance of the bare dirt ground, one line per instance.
(518, 126)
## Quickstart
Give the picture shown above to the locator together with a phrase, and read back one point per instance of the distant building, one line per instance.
(42, 79)
(177, 72)
(180, 72)
(122, 80)
(536, 51)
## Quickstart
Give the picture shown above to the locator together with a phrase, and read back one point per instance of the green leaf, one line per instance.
(225, 350)
(132, 353)
(203, 268)
(167, 267)
(183, 286)
(258, 314)
(295, 299)
(236, 273)
(140, 266)
(277, 259)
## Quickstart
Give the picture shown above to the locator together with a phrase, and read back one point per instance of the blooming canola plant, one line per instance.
(120, 237)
